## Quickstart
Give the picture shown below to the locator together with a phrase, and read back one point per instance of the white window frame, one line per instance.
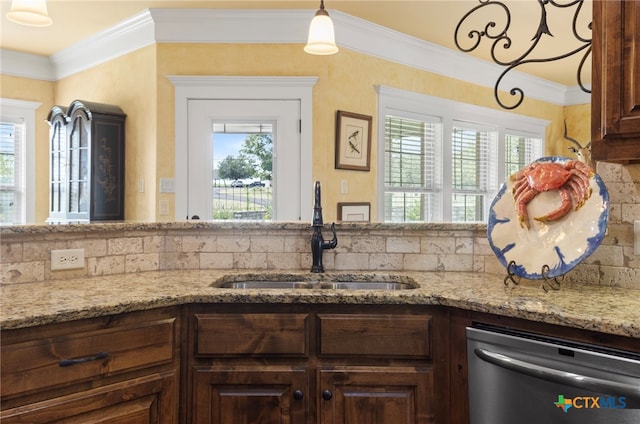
(241, 88)
(13, 109)
(391, 100)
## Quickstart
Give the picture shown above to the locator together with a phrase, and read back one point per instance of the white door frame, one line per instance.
(241, 88)
(284, 116)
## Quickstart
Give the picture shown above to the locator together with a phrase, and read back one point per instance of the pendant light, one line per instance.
(29, 12)
(321, 39)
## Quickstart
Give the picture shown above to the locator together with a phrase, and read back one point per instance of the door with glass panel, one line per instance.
(244, 160)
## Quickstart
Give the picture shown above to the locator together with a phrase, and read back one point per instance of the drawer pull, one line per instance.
(327, 395)
(69, 362)
(298, 395)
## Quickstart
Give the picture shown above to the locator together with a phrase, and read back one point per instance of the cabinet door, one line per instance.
(265, 395)
(372, 395)
(145, 400)
(615, 100)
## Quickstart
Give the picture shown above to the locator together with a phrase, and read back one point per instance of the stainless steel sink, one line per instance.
(322, 282)
(366, 285)
(266, 285)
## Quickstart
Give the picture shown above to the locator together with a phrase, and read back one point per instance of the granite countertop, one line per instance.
(603, 309)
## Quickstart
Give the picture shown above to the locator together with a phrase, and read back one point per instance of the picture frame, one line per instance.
(354, 211)
(353, 141)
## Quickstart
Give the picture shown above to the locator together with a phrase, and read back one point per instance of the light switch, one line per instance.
(344, 187)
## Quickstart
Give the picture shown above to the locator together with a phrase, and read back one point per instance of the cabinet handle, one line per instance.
(327, 395)
(298, 395)
(69, 362)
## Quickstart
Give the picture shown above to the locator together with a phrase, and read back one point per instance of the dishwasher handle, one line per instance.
(558, 376)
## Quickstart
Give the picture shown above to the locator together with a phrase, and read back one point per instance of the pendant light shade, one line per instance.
(29, 12)
(321, 39)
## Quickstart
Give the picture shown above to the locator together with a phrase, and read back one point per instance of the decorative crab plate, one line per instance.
(560, 244)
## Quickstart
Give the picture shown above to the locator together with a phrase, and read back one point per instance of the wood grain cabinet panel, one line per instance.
(385, 395)
(113, 369)
(143, 401)
(615, 94)
(251, 334)
(375, 335)
(71, 358)
(250, 395)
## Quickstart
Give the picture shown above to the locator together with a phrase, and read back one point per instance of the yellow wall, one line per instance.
(137, 83)
(42, 92)
(346, 82)
(578, 123)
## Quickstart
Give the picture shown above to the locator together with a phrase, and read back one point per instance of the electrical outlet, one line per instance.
(67, 259)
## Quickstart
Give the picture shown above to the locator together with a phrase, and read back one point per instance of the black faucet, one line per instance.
(317, 242)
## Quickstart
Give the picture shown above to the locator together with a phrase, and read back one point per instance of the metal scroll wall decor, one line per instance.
(502, 42)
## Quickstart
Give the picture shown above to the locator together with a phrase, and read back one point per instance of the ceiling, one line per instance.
(431, 20)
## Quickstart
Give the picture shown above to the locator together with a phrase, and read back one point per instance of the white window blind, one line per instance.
(412, 171)
(520, 150)
(444, 161)
(472, 169)
(11, 170)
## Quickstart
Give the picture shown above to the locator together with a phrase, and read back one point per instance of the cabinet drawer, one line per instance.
(375, 335)
(61, 360)
(251, 334)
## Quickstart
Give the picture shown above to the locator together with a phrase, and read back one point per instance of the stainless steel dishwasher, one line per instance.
(523, 378)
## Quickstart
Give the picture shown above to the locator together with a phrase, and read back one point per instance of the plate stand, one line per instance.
(547, 282)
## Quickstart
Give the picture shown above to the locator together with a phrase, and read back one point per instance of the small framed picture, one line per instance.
(356, 211)
(353, 141)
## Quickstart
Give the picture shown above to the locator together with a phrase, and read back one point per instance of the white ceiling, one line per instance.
(431, 20)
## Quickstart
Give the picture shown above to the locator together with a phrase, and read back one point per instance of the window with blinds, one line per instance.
(11, 142)
(444, 161)
(412, 176)
(520, 150)
(472, 164)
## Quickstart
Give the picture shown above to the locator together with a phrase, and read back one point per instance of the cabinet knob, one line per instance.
(298, 395)
(327, 395)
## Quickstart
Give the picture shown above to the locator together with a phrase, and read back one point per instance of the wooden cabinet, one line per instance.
(254, 394)
(615, 96)
(316, 364)
(395, 393)
(86, 160)
(376, 395)
(113, 369)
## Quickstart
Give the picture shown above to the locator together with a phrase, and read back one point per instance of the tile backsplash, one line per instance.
(118, 248)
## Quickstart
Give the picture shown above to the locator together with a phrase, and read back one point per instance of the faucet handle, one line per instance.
(334, 242)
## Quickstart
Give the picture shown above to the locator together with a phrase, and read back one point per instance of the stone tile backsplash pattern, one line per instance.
(133, 248)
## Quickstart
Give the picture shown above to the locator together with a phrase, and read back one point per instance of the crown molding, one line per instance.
(231, 26)
(129, 35)
(277, 27)
(576, 96)
(26, 65)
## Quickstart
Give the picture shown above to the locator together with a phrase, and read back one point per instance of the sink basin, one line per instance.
(265, 284)
(321, 282)
(366, 285)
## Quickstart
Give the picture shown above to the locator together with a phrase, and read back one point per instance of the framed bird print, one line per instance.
(353, 141)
